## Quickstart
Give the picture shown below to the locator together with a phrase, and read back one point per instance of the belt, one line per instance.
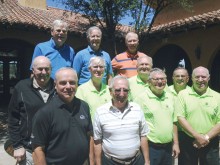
(126, 161)
(159, 144)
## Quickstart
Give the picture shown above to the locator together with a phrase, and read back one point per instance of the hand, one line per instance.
(200, 141)
(20, 154)
(176, 150)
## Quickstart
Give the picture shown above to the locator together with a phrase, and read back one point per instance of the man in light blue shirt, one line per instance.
(81, 61)
(60, 54)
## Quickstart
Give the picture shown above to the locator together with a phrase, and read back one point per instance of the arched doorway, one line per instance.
(215, 73)
(169, 57)
(15, 59)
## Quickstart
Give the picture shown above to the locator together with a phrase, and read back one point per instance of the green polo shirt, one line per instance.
(137, 86)
(173, 91)
(94, 98)
(159, 114)
(202, 112)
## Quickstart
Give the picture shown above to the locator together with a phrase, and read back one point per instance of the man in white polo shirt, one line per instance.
(120, 129)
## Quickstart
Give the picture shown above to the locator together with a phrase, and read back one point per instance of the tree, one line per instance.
(108, 13)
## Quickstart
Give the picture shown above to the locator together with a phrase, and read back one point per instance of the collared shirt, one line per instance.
(137, 86)
(120, 132)
(59, 57)
(81, 64)
(44, 92)
(125, 64)
(94, 98)
(159, 114)
(201, 111)
(173, 91)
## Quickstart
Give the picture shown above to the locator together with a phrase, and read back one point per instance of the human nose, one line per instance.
(44, 71)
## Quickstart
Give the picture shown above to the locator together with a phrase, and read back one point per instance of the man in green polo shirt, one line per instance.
(95, 92)
(180, 80)
(158, 107)
(198, 112)
(139, 83)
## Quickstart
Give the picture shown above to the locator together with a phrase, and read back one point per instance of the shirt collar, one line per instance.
(53, 44)
(93, 89)
(36, 86)
(91, 51)
(206, 94)
(152, 95)
(132, 56)
(139, 81)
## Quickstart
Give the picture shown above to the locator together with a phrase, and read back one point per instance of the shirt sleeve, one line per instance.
(115, 64)
(40, 129)
(97, 127)
(179, 106)
(144, 129)
(77, 63)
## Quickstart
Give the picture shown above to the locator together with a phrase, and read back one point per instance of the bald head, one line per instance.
(200, 69)
(41, 59)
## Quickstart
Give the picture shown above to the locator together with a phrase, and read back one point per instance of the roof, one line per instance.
(14, 15)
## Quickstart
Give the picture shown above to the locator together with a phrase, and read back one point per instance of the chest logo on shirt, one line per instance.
(82, 117)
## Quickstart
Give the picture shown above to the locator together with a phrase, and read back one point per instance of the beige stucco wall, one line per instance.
(175, 12)
(38, 4)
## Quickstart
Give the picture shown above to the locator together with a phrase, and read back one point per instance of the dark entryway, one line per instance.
(215, 73)
(169, 57)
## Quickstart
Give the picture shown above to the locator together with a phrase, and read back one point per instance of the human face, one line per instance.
(41, 71)
(97, 70)
(119, 93)
(157, 83)
(94, 39)
(66, 85)
(132, 43)
(59, 34)
(180, 78)
(144, 66)
(200, 79)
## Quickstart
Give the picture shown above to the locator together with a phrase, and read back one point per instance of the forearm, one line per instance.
(214, 131)
(145, 149)
(91, 151)
(98, 151)
(175, 134)
(39, 156)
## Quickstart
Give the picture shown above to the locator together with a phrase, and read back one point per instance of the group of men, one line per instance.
(132, 121)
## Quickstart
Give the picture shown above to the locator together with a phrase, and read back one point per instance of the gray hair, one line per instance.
(156, 70)
(58, 23)
(40, 58)
(200, 67)
(65, 68)
(145, 57)
(98, 60)
(180, 68)
(116, 78)
(91, 29)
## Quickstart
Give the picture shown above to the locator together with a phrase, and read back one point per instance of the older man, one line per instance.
(28, 96)
(60, 54)
(62, 129)
(95, 92)
(125, 63)
(180, 80)
(81, 61)
(139, 83)
(158, 107)
(120, 129)
(198, 112)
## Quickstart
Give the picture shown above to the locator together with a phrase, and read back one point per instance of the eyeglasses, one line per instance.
(117, 91)
(158, 79)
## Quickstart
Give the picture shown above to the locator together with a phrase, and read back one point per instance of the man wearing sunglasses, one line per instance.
(60, 54)
(120, 129)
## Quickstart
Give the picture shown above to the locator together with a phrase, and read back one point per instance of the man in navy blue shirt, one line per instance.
(81, 61)
(60, 54)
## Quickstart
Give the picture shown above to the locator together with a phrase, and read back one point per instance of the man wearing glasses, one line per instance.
(158, 107)
(198, 112)
(60, 54)
(120, 129)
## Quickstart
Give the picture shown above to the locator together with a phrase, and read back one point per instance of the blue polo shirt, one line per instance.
(81, 64)
(59, 57)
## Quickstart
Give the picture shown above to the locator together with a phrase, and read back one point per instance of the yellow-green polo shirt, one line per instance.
(94, 98)
(202, 112)
(159, 114)
(137, 86)
(173, 91)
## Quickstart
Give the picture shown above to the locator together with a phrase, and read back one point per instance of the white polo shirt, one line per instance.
(120, 132)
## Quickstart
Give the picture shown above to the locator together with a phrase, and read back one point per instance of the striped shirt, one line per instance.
(125, 64)
(120, 132)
